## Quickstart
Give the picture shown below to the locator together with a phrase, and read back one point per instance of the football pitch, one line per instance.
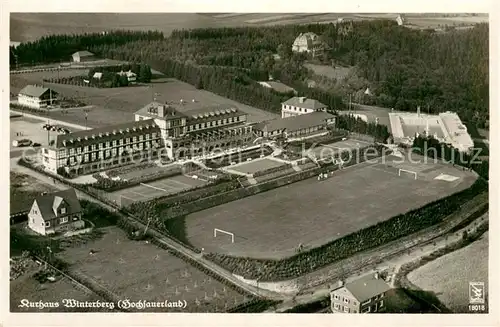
(272, 224)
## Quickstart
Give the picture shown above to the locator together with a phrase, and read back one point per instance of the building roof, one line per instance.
(307, 103)
(110, 133)
(50, 201)
(34, 91)
(212, 113)
(277, 86)
(83, 53)
(367, 287)
(292, 124)
(151, 110)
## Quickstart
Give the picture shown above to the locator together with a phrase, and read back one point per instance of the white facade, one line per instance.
(292, 111)
(445, 127)
(35, 220)
(31, 102)
(307, 42)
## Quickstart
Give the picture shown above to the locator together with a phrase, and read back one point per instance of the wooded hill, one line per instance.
(405, 68)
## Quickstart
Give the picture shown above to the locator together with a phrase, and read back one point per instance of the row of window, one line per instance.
(346, 309)
(103, 145)
(213, 123)
(346, 300)
(111, 152)
(298, 109)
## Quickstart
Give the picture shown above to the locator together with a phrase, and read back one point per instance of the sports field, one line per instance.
(139, 271)
(162, 187)
(256, 165)
(117, 105)
(272, 224)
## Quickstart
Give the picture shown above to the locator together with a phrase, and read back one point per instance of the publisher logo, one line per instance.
(476, 293)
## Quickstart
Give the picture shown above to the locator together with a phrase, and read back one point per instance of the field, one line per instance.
(256, 165)
(23, 189)
(337, 73)
(469, 264)
(139, 271)
(29, 26)
(326, 151)
(162, 187)
(121, 103)
(26, 287)
(272, 224)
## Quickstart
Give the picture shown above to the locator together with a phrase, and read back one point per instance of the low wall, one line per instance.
(284, 287)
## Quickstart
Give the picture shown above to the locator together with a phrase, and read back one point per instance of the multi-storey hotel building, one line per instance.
(158, 129)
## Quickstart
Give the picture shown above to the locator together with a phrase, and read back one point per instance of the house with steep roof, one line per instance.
(308, 42)
(82, 56)
(301, 105)
(295, 126)
(35, 96)
(131, 76)
(362, 295)
(55, 212)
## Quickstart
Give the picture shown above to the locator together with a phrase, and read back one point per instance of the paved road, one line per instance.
(170, 243)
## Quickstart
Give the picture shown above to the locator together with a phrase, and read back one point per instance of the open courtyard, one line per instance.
(137, 270)
(357, 197)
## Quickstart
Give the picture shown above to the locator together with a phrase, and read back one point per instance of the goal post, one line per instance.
(224, 232)
(414, 173)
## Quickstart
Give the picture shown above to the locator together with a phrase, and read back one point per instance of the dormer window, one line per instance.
(63, 211)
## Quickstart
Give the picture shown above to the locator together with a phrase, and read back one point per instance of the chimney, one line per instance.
(161, 111)
(376, 275)
(340, 283)
(302, 99)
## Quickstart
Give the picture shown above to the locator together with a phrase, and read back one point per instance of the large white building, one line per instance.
(445, 127)
(34, 96)
(308, 42)
(299, 106)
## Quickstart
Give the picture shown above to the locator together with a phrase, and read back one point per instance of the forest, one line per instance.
(404, 68)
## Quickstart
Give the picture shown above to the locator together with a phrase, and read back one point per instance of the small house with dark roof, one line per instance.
(295, 126)
(55, 212)
(82, 56)
(362, 295)
(35, 96)
(301, 105)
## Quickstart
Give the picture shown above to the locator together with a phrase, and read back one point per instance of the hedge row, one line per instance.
(365, 239)
(271, 170)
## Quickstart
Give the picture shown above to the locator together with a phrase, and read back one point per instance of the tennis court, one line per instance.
(162, 187)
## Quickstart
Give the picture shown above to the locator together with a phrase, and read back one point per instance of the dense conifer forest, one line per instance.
(404, 68)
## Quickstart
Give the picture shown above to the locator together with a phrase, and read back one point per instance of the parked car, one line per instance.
(61, 129)
(66, 131)
(36, 145)
(20, 143)
(46, 127)
(53, 128)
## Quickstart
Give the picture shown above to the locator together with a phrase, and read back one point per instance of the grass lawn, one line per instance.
(257, 165)
(140, 271)
(117, 105)
(272, 224)
(449, 276)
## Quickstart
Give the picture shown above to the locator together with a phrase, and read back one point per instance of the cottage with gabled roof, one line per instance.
(35, 96)
(299, 106)
(81, 56)
(363, 295)
(55, 212)
(308, 42)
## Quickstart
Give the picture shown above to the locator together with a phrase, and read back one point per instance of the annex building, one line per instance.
(445, 127)
(37, 97)
(301, 105)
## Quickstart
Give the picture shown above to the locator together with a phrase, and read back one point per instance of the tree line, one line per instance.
(58, 48)
(357, 125)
